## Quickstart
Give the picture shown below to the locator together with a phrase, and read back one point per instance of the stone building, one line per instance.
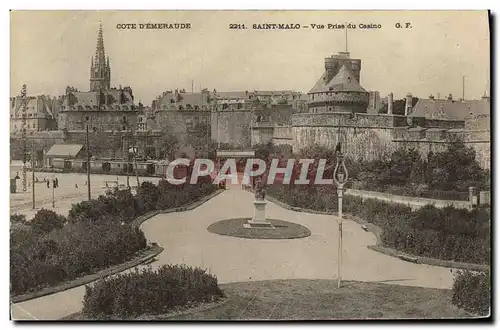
(41, 112)
(102, 107)
(246, 118)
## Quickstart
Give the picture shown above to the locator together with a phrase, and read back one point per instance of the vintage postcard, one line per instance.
(250, 165)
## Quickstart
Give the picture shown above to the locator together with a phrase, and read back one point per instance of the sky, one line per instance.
(53, 49)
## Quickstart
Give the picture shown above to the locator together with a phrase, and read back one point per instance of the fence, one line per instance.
(414, 202)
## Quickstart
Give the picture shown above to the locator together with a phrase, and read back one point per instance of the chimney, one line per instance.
(408, 106)
(390, 100)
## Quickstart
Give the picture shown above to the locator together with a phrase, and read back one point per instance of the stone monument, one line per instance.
(259, 215)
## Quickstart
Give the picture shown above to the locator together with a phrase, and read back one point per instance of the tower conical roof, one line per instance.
(343, 81)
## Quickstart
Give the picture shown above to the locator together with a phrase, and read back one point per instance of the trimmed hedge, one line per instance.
(51, 249)
(448, 233)
(472, 292)
(149, 292)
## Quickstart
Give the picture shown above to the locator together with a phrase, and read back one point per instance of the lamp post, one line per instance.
(340, 176)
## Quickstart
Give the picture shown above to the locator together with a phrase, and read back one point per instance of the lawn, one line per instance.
(320, 300)
(282, 230)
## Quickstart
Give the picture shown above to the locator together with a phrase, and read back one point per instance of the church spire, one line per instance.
(100, 70)
(100, 54)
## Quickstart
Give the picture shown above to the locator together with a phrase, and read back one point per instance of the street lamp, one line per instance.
(340, 176)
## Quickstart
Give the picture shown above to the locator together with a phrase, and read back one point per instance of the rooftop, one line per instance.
(450, 109)
(64, 150)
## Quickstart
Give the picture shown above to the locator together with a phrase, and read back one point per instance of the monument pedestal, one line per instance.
(259, 216)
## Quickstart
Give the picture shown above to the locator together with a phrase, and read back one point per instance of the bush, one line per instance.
(46, 220)
(18, 218)
(448, 233)
(149, 292)
(472, 292)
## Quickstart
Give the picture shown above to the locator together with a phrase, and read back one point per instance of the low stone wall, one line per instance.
(413, 202)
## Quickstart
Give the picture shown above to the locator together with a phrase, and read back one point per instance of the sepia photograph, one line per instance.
(223, 165)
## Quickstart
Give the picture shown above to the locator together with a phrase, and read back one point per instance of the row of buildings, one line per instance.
(337, 102)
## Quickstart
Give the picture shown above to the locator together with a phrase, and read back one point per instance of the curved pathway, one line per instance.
(186, 240)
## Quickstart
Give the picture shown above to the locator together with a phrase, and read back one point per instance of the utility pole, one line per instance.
(33, 174)
(88, 156)
(128, 156)
(218, 130)
(24, 139)
(135, 160)
(346, 38)
(207, 132)
(463, 88)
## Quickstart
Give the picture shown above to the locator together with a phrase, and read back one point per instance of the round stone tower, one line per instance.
(338, 89)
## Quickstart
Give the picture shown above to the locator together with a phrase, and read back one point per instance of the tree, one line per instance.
(406, 167)
(456, 168)
(147, 196)
(199, 136)
(166, 146)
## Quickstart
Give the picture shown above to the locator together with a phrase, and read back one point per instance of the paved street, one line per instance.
(66, 194)
(186, 240)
